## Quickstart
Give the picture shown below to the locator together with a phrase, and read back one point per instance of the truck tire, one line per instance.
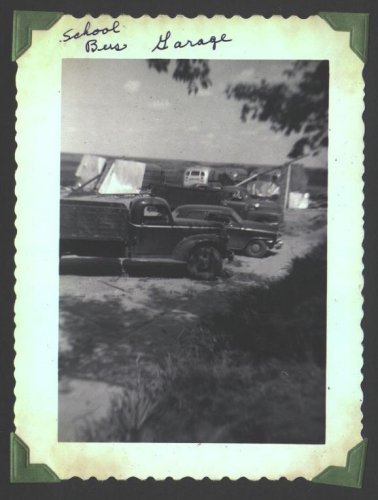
(256, 248)
(204, 263)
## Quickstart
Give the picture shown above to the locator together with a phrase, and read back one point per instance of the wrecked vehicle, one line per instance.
(114, 176)
(253, 239)
(140, 229)
(238, 198)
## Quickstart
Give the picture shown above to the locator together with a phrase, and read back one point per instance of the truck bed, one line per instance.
(93, 220)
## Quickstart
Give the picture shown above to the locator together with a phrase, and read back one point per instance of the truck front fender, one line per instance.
(183, 249)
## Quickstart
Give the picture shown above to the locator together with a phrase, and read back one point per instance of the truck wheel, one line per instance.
(256, 248)
(204, 263)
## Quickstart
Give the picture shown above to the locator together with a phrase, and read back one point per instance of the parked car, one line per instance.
(254, 239)
(140, 228)
(251, 207)
(238, 198)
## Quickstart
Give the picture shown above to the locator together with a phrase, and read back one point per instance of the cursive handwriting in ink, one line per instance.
(213, 41)
(67, 36)
(92, 46)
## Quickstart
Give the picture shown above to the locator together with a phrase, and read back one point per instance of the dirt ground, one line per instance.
(109, 318)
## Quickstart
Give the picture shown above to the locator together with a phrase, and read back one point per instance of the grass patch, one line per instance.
(227, 399)
(253, 374)
(285, 320)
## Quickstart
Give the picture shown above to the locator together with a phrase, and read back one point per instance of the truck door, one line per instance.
(155, 234)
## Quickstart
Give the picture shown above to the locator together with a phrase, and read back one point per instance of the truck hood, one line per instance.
(266, 205)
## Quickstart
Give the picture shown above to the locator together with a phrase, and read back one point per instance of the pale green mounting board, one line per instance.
(356, 24)
(21, 469)
(350, 475)
(24, 22)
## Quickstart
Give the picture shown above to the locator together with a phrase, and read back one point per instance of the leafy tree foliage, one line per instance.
(193, 72)
(299, 103)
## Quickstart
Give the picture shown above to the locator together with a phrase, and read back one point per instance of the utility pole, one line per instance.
(288, 178)
(287, 187)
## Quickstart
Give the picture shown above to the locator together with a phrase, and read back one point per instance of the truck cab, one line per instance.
(141, 228)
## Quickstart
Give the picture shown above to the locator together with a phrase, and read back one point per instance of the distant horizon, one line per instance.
(146, 158)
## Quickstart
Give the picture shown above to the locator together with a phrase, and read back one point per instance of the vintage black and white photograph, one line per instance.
(193, 251)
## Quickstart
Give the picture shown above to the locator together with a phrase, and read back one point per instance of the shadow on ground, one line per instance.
(98, 266)
(102, 340)
(252, 373)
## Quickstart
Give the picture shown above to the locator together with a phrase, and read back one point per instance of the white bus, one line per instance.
(198, 175)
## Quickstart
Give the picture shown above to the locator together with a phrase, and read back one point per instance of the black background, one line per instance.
(187, 488)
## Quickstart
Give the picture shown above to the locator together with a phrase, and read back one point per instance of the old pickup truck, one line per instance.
(143, 229)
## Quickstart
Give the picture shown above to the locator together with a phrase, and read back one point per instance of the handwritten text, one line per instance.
(213, 41)
(67, 35)
(92, 46)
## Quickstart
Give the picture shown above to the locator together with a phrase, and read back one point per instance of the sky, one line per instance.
(122, 107)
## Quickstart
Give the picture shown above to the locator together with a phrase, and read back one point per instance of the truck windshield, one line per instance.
(123, 177)
(90, 167)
